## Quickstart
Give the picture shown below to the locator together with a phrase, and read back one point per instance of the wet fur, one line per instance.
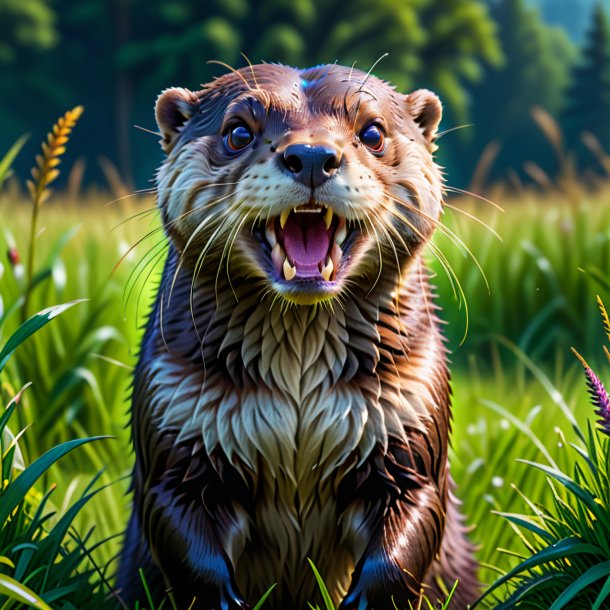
(268, 431)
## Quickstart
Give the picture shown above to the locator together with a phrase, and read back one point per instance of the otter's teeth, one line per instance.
(328, 218)
(289, 270)
(328, 269)
(284, 217)
(270, 235)
(277, 256)
(341, 233)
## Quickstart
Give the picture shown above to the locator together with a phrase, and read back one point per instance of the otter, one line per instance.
(292, 397)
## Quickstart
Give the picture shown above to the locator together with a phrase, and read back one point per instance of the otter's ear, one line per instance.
(174, 108)
(427, 110)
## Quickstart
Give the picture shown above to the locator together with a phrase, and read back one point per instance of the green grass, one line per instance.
(43, 560)
(551, 258)
(515, 381)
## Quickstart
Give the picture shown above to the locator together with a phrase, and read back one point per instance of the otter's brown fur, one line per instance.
(273, 420)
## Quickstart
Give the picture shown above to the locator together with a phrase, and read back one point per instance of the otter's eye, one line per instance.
(238, 137)
(373, 138)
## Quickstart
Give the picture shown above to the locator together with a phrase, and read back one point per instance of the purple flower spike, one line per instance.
(600, 399)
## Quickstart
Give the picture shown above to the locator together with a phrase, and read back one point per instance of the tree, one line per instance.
(572, 15)
(535, 72)
(588, 105)
(115, 57)
(25, 25)
(441, 44)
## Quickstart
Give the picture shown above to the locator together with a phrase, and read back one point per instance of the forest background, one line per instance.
(491, 62)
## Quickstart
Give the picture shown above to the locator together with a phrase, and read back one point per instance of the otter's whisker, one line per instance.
(251, 68)
(455, 239)
(454, 189)
(200, 338)
(438, 254)
(230, 242)
(440, 134)
(134, 246)
(139, 269)
(152, 264)
(390, 227)
(148, 191)
(154, 232)
(232, 69)
(456, 208)
(145, 212)
(377, 243)
(202, 255)
(195, 234)
(454, 281)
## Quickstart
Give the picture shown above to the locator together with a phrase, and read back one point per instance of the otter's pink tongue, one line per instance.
(306, 241)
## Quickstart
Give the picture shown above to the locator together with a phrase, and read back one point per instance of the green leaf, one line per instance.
(6, 561)
(526, 523)
(564, 548)
(581, 493)
(7, 161)
(328, 602)
(589, 577)
(537, 584)
(18, 489)
(29, 327)
(13, 589)
(603, 594)
(261, 601)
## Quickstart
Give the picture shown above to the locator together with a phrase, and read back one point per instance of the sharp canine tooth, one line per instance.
(341, 233)
(289, 270)
(328, 218)
(270, 235)
(328, 269)
(284, 217)
(277, 256)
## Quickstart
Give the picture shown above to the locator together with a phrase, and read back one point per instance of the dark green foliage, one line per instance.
(588, 97)
(25, 26)
(534, 73)
(115, 57)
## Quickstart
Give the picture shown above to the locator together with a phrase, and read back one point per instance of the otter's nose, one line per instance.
(311, 165)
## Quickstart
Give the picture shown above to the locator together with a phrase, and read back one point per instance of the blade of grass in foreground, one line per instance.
(261, 601)
(7, 161)
(29, 327)
(17, 491)
(13, 589)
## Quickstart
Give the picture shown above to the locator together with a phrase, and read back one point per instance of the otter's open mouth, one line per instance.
(308, 242)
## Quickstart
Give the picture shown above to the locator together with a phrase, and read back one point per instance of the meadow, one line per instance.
(523, 292)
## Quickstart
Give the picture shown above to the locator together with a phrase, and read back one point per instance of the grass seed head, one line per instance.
(46, 169)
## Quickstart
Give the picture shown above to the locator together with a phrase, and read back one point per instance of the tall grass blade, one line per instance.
(261, 601)
(7, 161)
(589, 577)
(603, 595)
(13, 589)
(18, 489)
(29, 327)
(328, 602)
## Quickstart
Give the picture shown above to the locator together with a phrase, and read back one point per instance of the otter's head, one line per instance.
(316, 182)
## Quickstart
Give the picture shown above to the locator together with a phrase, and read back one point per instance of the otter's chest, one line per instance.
(300, 436)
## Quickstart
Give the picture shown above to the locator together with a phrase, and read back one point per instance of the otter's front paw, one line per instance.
(380, 585)
(226, 599)
(234, 604)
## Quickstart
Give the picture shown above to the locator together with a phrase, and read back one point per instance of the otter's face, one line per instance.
(316, 182)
